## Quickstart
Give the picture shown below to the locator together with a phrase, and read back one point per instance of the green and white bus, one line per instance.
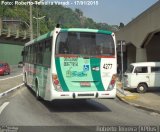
(73, 63)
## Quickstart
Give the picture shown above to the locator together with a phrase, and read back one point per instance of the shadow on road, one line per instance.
(78, 105)
(154, 90)
(73, 105)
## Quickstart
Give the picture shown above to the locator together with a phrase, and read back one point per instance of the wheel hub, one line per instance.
(141, 88)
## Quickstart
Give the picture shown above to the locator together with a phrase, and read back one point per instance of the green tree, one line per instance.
(121, 25)
(79, 12)
(53, 14)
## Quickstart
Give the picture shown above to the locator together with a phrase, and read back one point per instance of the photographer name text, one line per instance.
(63, 3)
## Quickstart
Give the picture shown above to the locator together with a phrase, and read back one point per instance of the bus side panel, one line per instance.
(29, 71)
(108, 69)
(42, 77)
(39, 74)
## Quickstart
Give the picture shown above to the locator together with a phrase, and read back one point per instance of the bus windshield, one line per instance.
(85, 43)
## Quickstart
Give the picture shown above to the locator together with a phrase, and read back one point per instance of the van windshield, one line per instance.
(130, 69)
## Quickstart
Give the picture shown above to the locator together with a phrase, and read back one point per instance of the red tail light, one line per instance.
(112, 82)
(56, 83)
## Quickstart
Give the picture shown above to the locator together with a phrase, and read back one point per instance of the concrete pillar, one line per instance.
(141, 55)
(25, 35)
(0, 23)
(0, 26)
(17, 33)
(9, 32)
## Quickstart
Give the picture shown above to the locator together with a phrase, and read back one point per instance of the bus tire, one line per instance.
(142, 88)
(37, 91)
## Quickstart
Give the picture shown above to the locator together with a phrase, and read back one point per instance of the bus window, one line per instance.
(84, 43)
(32, 54)
(47, 53)
(105, 44)
(40, 53)
(35, 53)
(29, 53)
(61, 41)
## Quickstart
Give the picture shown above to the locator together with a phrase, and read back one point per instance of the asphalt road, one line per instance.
(24, 110)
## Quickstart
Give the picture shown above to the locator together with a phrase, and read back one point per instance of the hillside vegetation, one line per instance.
(53, 14)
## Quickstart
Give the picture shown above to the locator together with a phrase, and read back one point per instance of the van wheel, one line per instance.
(142, 88)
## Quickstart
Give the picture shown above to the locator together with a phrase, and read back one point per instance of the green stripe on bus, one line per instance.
(95, 62)
(85, 30)
(104, 32)
(60, 75)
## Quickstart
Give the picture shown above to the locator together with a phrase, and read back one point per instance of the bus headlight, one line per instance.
(56, 83)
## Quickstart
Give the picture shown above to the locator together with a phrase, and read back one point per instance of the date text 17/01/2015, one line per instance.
(63, 3)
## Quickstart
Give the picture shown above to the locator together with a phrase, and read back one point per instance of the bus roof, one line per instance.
(49, 34)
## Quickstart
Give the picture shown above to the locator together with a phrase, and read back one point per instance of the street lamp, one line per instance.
(38, 25)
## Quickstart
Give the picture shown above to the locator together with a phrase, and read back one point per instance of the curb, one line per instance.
(136, 105)
(11, 90)
(127, 97)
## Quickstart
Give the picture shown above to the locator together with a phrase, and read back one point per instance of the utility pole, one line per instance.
(121, 44)
(31, 22)
(122, 57)
(38, 24)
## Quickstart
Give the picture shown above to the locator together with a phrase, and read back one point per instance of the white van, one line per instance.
(142, 75)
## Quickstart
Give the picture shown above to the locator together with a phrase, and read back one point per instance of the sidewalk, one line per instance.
(149, 101)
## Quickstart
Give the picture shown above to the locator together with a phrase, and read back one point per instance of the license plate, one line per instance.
(85, 84)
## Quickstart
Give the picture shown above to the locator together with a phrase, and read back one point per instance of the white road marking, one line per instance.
(3, 106)
(10, 77)
(11, 89)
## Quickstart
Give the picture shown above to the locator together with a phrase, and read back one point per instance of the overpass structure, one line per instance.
(11, 33)
(12, 40)
(142, 36)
